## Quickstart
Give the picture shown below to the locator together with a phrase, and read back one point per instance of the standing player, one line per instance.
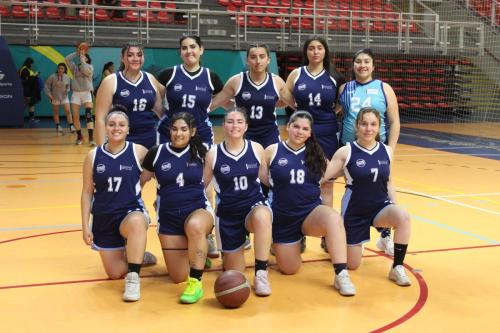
(370, 197)
(82, 88)
(295, 169)
(185, 216)
(312, 88)
(189, 88)
(362, 92)
(136, 90)
(57, 88)
(257, 91)
(235, 165)
(112, 194)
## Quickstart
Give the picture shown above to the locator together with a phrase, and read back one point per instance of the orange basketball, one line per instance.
(232, 289)
(83, 47)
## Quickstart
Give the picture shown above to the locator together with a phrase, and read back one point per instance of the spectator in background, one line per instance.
(113, 13)
(72, 11)
(57, 88)
(31, 88)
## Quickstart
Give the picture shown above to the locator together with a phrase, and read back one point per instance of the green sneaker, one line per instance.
(193, 291)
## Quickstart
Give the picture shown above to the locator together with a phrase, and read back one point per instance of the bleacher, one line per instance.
(485, 8)
(427, 86)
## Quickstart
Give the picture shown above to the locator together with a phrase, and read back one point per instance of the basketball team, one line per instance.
(279, 190)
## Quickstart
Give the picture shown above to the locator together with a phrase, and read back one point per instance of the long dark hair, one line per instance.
(196, 146)
(62, 64)
(315, 157)
(107, 66)
(326, 60)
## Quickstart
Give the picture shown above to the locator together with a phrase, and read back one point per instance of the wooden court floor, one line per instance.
(51, 282)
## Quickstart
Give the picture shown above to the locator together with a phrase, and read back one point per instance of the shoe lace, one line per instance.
(191, 287)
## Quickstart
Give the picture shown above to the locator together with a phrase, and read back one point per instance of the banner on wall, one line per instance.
(11, 90)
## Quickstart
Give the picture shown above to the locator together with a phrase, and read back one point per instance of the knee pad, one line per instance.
(88, 115)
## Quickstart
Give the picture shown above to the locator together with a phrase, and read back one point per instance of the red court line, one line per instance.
(422, 299)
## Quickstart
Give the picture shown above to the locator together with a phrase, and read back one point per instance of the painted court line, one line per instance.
(469, 195)
(449, 201)
(454, 229)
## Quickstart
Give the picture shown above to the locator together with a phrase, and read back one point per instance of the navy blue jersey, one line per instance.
(139, 99)
(180, 180)
(260, 102)
(296, 191)
(192, 94)
(237, 181)
(116, 181)
(367, 174)
(317, 95)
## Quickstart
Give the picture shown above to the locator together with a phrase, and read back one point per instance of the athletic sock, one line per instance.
(339, 267)
(195, 273)
(134, 267)
(399, 253)
(260, 265)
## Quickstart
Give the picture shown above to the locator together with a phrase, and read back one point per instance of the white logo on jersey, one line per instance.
(178, 87)
(326, 87)
(196, 88)
(282, 161)
(383, 162)
(252, 166)
(301, 87)
(147, 91)
(225, 169)
(372, 91)
(360, 162)
(101, 168)
(246, 96)
(125, 167)
(166, 166)
(124, 93)
(269, 96)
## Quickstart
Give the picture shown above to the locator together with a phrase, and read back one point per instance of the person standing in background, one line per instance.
(57, 88)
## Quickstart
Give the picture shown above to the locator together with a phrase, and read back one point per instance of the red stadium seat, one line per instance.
(132, 16)
(4, 11)
(170, 5)
(285, 3)
(237, 3)
(274, 3)
(165, 17)
(261, 2)
(100, 15)
(253, 21)
(126, 3)
(268, 22)
(224, 3)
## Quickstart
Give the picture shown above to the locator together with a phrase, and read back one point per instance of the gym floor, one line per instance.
(446, 177)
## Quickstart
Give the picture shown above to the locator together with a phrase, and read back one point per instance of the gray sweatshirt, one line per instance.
(82, 74)
(57, 87)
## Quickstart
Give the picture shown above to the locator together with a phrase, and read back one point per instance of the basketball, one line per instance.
(232, 289)
(83, 47)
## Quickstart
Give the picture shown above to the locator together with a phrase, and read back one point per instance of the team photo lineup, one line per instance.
(280, 189)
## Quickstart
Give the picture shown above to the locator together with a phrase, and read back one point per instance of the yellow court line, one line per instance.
(37, 208)
(438, 188)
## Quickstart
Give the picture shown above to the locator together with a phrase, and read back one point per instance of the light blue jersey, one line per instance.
(357, 96)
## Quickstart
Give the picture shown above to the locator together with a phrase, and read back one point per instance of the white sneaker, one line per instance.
(398, 275)
(261, 283)
(92, 143)
(149, 259)
(344, 284)
(387, 245)
(59, 131)
(79, 141)
(72, 129)
(132, 291)
(213, 252)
